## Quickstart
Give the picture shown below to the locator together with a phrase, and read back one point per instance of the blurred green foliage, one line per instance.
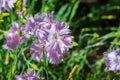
(95, 27)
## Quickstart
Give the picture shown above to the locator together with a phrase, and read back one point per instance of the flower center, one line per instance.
(36, 27)
(56, 37)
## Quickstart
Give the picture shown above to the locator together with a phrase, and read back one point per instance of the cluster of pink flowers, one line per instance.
(52, 37)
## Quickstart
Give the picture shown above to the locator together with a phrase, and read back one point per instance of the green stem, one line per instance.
(11, 16)
(45, 64)
(28, 62)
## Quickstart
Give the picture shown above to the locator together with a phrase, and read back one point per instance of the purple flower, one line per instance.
(12, 37)
(37, 50)
(35, 27)
(112, 60)
(59, 42)
(7, 4)
(28, 76)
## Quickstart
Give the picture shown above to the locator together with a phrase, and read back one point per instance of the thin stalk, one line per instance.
(45, 64)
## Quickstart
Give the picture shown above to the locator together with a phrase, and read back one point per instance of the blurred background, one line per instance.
(95, 25)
